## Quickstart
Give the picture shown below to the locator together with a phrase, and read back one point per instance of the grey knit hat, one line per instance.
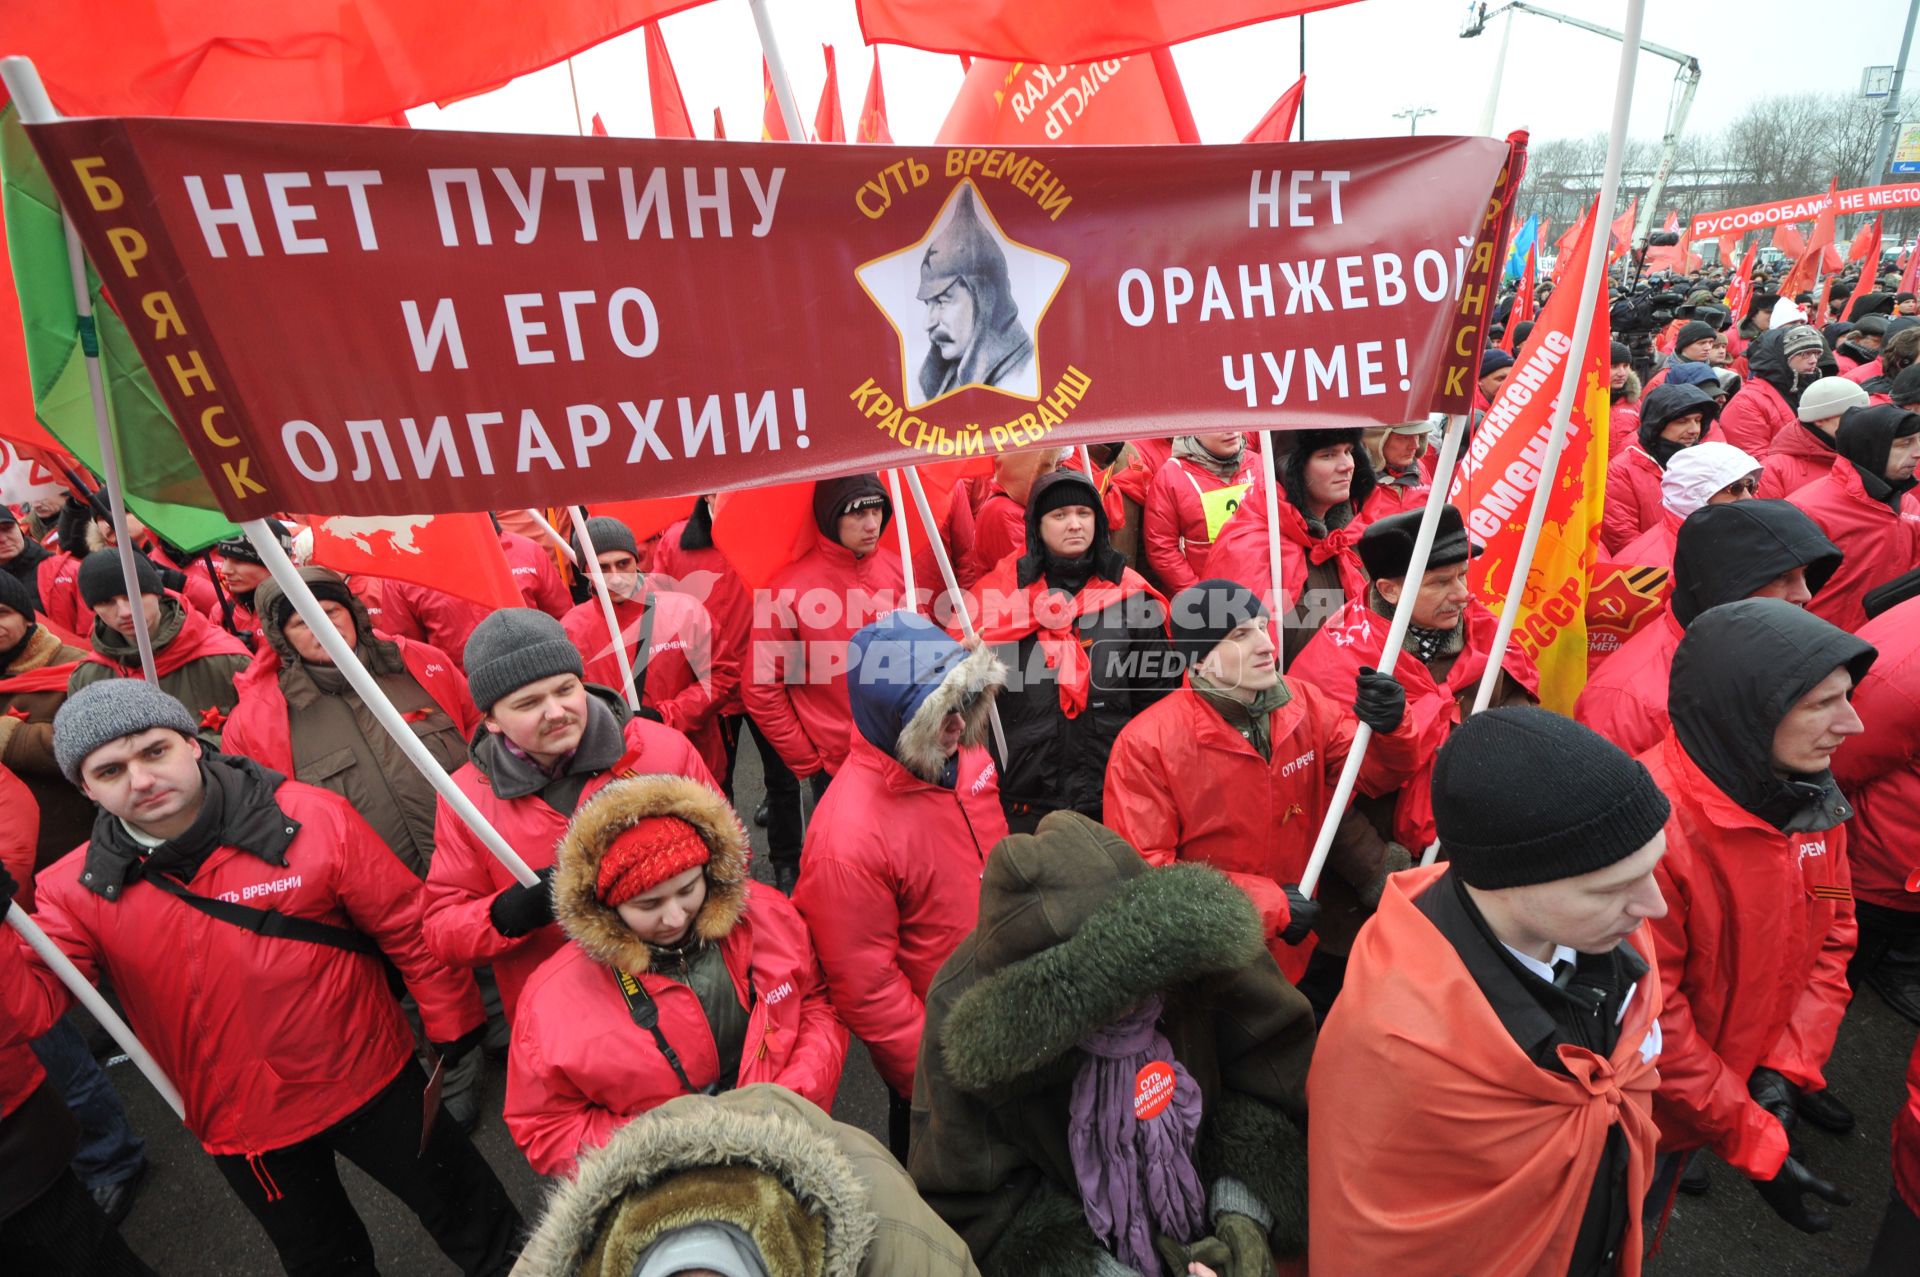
(1802, 337)
(103, 712)
(611, 534)
(101, 578)
(516, 646)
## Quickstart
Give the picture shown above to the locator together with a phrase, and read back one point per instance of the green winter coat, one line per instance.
(1075, 929)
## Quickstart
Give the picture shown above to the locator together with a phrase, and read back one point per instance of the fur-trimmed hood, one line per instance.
(596, 927)
(907, 677)
(1075, 929)
(624, 1192)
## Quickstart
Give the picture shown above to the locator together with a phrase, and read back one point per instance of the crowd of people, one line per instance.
(1038, 846)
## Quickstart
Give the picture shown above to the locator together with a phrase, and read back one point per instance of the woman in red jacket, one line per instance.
(681, 977)
(1190, 500)
(1325, 483)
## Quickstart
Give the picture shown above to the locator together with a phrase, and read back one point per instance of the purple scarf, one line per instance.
(1136, 1174)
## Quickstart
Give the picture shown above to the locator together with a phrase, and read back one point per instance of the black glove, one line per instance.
(1305, 911)
(521, 909)
(1379, 701)
(9, 888)
(1785, 1193)
(451, 1053)
(1251, 1256)
(1777, 1096)
(651, 714)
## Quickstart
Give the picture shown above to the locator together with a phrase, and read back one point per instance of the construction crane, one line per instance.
(1686, 82)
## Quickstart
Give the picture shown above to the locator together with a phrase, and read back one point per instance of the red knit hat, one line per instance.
(653, 850)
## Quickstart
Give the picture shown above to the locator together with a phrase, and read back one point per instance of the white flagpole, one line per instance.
(777, 72)
(35, 107)
(89, 997)
(953, 590)
(1390, 657)
(1275, 603)
(906, 542)
(558, 540)
(606, 607)
(300, 594)
(1576, 366)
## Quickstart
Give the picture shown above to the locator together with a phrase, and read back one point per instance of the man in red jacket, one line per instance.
(1753, 950)
(1722, 553)
(682, 674)
(795, 680)
(1446, 652)
(1859, 505)
(891, 870)
(1879, 771)
(284, 1040)
(1236, 768)
(547, 741)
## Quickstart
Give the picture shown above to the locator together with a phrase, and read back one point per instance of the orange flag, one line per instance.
(828, 125)
(1495, 484)
(873, 112)
(1810, 262)
(1086, 104)
(1277, 124)
(670, 118)
(457, 553)
(772, 127)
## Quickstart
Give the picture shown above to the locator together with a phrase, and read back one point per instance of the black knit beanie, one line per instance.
(101, 578)
(14, 595)
(1524, 795)
(1205, 613)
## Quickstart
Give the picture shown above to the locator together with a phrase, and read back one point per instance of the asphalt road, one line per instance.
(186, 1223)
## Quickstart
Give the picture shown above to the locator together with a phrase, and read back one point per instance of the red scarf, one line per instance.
(1054, 616)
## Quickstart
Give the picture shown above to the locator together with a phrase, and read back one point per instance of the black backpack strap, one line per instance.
(643, 648)
(640, 1006)
(280, 926)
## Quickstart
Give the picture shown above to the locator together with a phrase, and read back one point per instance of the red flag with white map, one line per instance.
(457, 553)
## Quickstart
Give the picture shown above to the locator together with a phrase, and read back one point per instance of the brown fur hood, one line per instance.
(596, 927)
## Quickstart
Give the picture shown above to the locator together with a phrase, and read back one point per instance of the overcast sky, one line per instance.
(1365, 61)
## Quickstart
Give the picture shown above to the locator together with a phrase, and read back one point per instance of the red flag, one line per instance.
(773, 127)
(1028, 104)
(828, 124)
(1810, 262)
(599, 126)
(1621, 236)
(1564, 246)
(1277, 124)
(458, 553)
(647, 518)
(1866, 249)
(670, 118)
(1910, 273)
(873, 112)
(339, 61)
(1739, 294)
(1020, 30)
(1789, 240)
(1822, 311)
(719, 126)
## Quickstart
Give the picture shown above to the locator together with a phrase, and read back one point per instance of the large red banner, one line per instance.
(1803, 208)
(365, 321)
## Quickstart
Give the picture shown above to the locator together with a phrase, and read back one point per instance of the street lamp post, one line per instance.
(1412, 116)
